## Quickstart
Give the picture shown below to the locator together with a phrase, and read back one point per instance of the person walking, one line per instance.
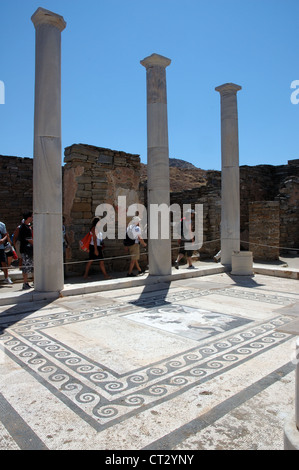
(186, 237)
(65, 244)
(26, 248)
(134, 233)
(16, 243)
(4, 239)
(96, 249)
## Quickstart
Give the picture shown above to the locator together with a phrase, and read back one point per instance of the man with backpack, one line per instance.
(26, 247)
(132, 241)
(186, 237)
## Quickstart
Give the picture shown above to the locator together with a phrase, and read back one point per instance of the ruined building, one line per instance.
(93, 176)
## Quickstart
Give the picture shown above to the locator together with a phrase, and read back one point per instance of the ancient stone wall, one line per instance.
(95, 176)
(210, 197)
(264, 230)
(258, 183)
(15, 189)
(288, 199)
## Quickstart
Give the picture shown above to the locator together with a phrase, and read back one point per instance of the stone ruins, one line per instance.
(250, 209)
(269, 200)
(254, 209)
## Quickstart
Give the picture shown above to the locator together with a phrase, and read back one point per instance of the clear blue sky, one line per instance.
(253, 43)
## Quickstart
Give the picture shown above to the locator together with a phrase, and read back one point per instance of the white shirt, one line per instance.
(99, 238)
(3, 231)
(135, 231)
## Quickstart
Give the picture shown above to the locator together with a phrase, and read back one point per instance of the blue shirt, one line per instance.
(3, 232)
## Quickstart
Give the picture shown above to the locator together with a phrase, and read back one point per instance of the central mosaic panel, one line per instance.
(193, 323)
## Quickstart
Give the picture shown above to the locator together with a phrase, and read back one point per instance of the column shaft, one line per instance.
(157, 158)
(230, 180)
(297, 386)
(47, 173)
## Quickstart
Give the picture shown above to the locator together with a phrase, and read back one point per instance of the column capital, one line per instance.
(155, 60)
(42, 16)
(228, 89)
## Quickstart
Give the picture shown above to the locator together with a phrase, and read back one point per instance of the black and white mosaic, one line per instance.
(101, 395)
(193, 323)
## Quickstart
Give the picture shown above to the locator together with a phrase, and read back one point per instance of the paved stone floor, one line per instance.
(194, 364)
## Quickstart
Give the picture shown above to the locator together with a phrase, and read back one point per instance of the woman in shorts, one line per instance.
(96, 249)
(134, 232)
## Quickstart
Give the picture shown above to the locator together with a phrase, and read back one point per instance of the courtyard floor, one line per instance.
(195, 361)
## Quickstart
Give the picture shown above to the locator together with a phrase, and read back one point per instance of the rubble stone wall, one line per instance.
(94, 175)
(288, 199)
(264, 230)
(15, 189)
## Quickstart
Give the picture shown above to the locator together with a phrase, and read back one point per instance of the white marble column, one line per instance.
(230, 179)
(47, 173)
(291, 424)
(297, 386)
(157, 157)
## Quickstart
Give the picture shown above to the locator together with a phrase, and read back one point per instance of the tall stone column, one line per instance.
(47, 173)
(157, 158)
(230, 179)
(297, 386)
(291, 426)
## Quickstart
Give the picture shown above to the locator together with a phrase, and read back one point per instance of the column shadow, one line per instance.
(244, 281)
(16, 313)
(153, 296)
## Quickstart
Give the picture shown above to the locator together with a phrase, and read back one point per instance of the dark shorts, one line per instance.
(2, 256)
(92, 255)
(188, 253)
(182, 250)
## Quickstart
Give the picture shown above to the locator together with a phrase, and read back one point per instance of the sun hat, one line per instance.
(135, 220)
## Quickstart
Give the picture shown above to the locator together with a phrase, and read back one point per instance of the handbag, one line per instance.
(84, 243)
(10, 251)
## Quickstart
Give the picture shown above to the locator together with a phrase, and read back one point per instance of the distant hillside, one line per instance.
(178, 163)
(183, 175)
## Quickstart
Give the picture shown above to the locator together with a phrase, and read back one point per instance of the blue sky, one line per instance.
(253, 43)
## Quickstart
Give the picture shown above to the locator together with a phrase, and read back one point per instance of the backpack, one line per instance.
(128, 241)
(84, 243)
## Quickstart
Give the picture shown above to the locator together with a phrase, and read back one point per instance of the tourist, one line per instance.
(96, 249)
(65, 239)
(186, 237)
(65, 243)
(4, 239)
(9, 252)
(26, 247)
(16, 243)
(134, 233)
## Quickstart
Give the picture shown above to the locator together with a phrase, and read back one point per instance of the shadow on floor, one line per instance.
(16, 313)
(153, 296)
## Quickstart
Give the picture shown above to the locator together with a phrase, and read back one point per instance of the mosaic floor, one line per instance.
(114, 365)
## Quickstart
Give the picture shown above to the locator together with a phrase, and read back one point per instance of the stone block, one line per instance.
(81, 207)
(242, 263)
(105, 159)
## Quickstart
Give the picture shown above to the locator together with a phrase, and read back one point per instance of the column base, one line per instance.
(242, 263)
(291, 434)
